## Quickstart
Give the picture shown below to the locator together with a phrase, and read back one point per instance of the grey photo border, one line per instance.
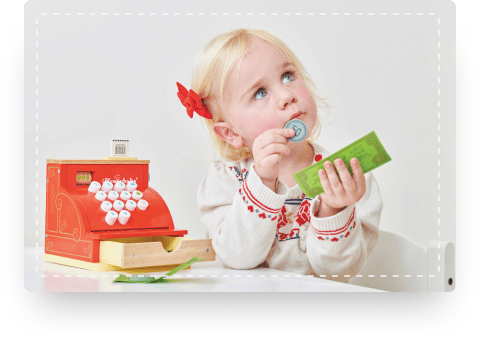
(419, 312)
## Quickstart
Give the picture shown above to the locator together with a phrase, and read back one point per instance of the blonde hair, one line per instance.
(215, 62)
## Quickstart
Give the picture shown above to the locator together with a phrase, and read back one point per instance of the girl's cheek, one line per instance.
(304, 94)
(261, 119)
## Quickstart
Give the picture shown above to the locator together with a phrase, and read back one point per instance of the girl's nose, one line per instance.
(286, 96)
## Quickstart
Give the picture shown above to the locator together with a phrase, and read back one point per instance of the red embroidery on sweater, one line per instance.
(292, 233)
(321, 238)
(346, 235)
(337, 231)
(334, 239)
(256, 202)
(354, 223)
(282, 221)
(273, 219)
(250, 208)
(303, 214)
(262, 215)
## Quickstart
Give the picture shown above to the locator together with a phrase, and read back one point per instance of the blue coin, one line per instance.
(300, 130)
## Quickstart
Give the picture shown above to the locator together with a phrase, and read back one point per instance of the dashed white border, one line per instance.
(438, 266)
(231, 276)
(214, 14)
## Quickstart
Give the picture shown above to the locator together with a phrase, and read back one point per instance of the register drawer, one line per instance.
(152, 251)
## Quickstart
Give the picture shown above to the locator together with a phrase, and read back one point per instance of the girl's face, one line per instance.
(264, 92)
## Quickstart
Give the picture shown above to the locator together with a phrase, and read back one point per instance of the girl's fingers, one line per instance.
(275, 148)
(325, 182)
(349, 184)
(275, 136)
(358, 175)
(335, 183)
(271, 160)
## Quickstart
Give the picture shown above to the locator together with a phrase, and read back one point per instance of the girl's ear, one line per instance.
(223, 130)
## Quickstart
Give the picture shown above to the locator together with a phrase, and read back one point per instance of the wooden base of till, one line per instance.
(104, 267)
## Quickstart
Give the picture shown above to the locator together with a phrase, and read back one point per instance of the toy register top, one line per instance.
(97, 161)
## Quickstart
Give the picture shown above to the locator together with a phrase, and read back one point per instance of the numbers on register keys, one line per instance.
(130, 205)
(125, 195)
(107, 186)
(118, 205)
(100, 195)
(113, 195)
(131, 185)
(123, 215)
(106, 206)
(94, 187)
(119, 186)
(111, 217)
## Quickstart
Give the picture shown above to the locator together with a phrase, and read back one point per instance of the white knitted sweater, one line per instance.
(250, 225)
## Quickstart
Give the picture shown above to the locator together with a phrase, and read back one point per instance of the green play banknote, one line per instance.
(163, 279)
(368, 150)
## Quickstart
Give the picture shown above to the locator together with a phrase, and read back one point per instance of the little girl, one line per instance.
(249, 85)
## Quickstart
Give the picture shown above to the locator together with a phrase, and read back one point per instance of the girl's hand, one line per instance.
(339, 194)
(268, 150)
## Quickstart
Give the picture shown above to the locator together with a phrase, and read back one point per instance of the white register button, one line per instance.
(123, 217)
(111, 217)
(130, 205)
(131, 185)
(94, 187)
(106, 206)
(100, 195)
(137, 195)
(125, 195)
(118, 205)
(119, 186)
(142, 205)
(113, 195)
(107, 186)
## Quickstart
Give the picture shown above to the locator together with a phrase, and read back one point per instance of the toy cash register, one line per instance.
(102, 215)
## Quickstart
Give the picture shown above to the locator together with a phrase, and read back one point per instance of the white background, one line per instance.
(104, 77)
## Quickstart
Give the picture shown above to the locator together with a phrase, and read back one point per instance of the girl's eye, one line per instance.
(261, 93)
(289, 76)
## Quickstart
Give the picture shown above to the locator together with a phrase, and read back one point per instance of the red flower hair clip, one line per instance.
(192, 102)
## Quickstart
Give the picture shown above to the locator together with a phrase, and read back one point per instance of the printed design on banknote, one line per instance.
(337, 235)
(368, 150)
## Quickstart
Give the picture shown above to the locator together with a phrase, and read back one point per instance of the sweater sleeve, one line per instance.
(338, 246)
(239, 213)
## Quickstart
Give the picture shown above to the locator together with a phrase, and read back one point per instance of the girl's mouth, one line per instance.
(296, 115)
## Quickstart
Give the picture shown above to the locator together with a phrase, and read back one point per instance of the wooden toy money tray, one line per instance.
(77, 234)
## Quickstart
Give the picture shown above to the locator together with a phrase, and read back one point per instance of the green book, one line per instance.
(368, 150)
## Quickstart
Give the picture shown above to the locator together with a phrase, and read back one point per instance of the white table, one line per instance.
(41, 276)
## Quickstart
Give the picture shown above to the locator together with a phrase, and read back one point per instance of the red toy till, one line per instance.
(76, 220)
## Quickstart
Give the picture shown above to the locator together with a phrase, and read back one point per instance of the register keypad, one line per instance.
(123, 200)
